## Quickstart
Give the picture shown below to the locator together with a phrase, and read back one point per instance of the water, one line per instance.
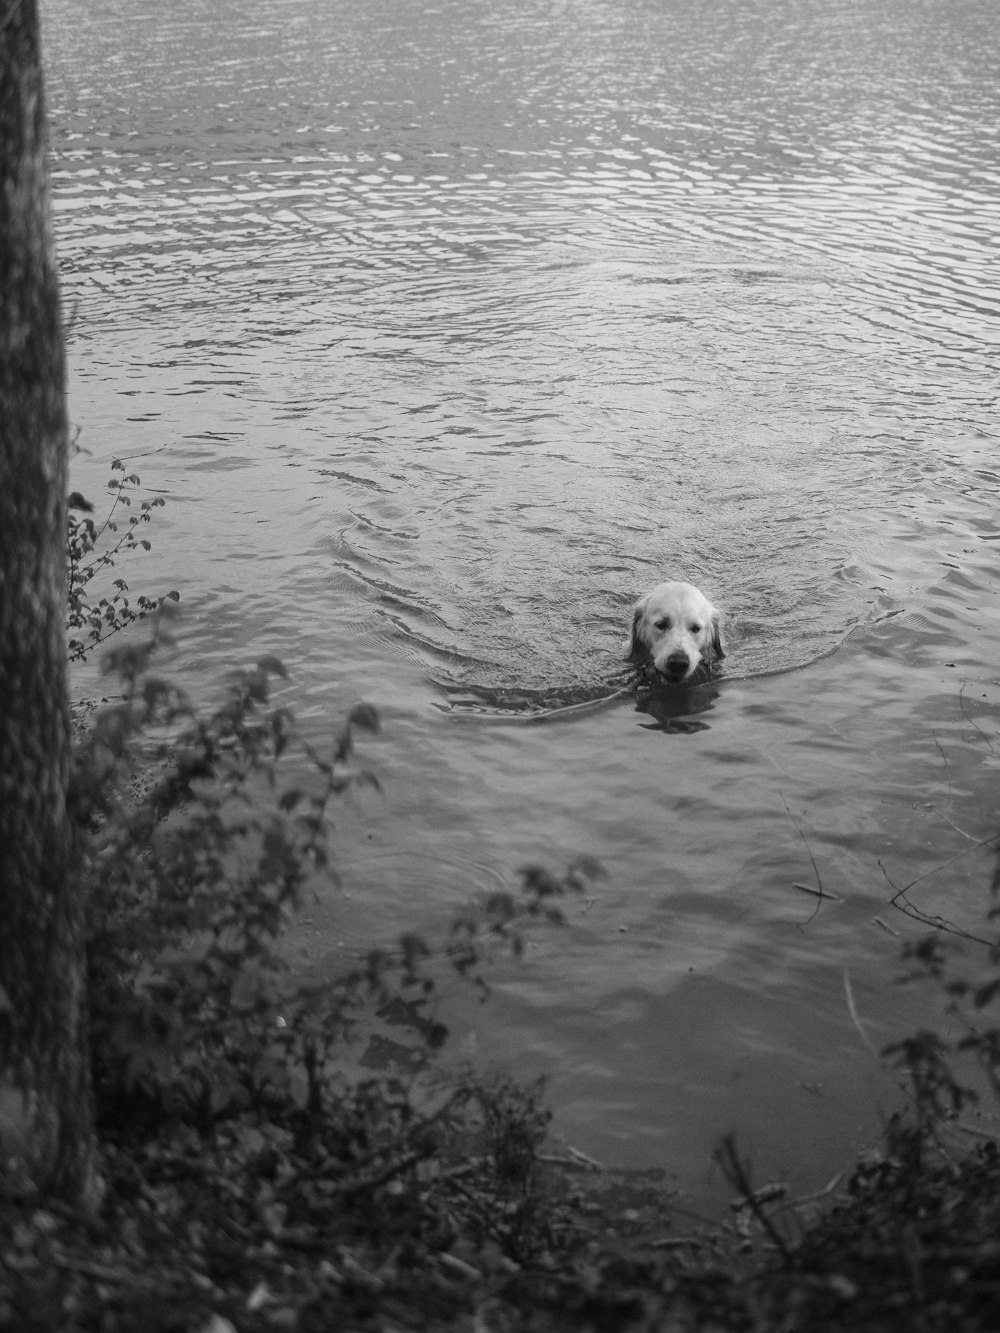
(445, 333)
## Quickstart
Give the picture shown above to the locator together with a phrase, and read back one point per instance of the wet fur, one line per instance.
(676, 629)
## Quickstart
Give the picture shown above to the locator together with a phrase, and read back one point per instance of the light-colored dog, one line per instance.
(676, 628)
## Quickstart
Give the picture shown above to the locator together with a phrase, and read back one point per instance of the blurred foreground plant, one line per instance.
(202, 837)
(931, 1063)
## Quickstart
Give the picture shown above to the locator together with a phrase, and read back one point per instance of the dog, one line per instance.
(676, 629)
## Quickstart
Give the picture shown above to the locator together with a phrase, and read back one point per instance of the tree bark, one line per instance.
(46, 1117)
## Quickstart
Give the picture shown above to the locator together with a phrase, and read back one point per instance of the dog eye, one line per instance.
(695, 629)
(662, 623)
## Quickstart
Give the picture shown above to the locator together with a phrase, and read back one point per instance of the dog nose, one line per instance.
(677, 664)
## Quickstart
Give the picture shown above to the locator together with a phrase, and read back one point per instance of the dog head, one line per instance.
(676, 628)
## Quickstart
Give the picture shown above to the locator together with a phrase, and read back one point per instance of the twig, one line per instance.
(877, 921)
(825, 1192)
(852, 1010)
(951, 822)
(977, 1132)
(938, 922)
(310, 1172)
(944, 760)
(462, 1169)
(971, 720)
(459, 1266)
(943, 865)
(819, 879)
(348, 1187)
(819, 893)
(583, 1160)
(736, 1173)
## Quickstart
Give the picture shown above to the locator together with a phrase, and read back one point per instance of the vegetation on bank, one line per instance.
(283, 1156)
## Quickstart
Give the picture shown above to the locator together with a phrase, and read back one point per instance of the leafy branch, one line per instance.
(90, 619)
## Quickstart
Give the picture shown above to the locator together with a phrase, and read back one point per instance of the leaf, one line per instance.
(589, 867)
(217, 1324)
(365, 716)
(273, 665)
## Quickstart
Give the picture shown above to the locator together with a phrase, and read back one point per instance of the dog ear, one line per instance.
(636, 647)
(717, 647)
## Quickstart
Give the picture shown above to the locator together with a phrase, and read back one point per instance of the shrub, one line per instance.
(196, 1015)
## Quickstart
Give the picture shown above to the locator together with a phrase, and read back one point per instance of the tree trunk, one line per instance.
(46, 1117)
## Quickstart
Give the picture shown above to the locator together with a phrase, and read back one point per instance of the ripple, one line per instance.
(445, 333)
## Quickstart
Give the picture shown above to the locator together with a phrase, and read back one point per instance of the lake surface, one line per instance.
(445, 332)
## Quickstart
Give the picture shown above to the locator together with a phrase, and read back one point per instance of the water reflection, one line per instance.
(677, 709)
